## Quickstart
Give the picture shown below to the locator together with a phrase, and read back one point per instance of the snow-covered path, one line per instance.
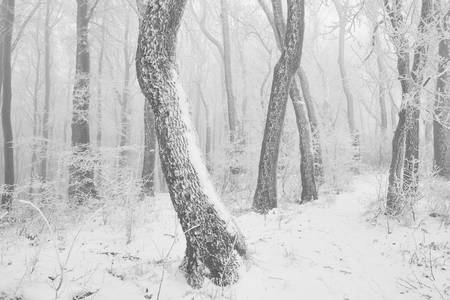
(323, 250)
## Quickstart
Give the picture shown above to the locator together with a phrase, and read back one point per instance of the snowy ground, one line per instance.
(333, 248)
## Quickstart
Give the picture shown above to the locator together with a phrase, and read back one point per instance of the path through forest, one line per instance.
(333, 248)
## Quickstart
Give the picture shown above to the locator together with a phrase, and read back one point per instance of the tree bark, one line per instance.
(8, 146)
(441, 123)
(81, 177)
(266, 190)
(211, 235)
(148, 170)
(411, 172)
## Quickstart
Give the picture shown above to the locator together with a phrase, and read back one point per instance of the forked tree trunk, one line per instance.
(148, 170)
(81, 175)
(7, 22)
(411, 172)
(411, 83)
(266, 190)
(441, 121)
(211, 235)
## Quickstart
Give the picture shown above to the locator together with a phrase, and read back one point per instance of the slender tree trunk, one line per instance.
(315, 127)
(354, 133)
(208, 142)
(148, 170)
(8, 146)
(441, 123)
(124, 105)
(100, 85)
(34, 157)
(81, 180)
(266, 190)
(231, 100)
(45, 120)
(211, 235)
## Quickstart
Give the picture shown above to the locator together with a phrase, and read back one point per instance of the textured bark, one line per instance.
(441, 123)
(411, 84)
(309, 189)
(81, 177)
(266, 190)
(7, 21)
(354, 133)
(411, 172)
(211, 235)
(47, 83)
(148, 170)
(314, 122)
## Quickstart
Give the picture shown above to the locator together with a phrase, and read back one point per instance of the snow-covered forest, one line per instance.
(225, 149)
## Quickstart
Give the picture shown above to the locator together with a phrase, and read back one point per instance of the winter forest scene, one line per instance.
(225, 149)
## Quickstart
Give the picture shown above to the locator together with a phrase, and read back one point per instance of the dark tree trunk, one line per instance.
(45, 119)
(403, 170)
(266, 190)
(441, 131)
(81, 177)
(7, 21)
(148, 170)
(211, 235)
(411, 171)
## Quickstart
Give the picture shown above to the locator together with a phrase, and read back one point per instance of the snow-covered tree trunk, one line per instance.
(6, 22)
(441, 122)
(81, 177)
(148, 169)
(266, 190)
(47, 93)
(212, 238)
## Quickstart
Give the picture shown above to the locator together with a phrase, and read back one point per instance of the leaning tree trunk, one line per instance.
(211, 235)
(81, 177)
(7, 12)
(266, 190)
(441, 121)
(148, 169)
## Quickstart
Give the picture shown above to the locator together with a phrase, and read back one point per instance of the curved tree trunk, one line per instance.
(148, 170)
(211, 235)
(7, 21)
(266, 190)
(441, 121)
(81, 177)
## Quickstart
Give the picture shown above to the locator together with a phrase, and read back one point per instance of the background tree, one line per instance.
(266, 190)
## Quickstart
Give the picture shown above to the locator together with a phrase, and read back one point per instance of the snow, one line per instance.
(333, 248)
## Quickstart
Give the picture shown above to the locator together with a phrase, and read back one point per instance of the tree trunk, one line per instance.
(314, 123)
(45, 119)
(211, 235)
(99, 87)
(124, 105)
(81, 177)
(309, 189)
(208, 142)
(148, 170)
(231, 100)
(7, 21)
(266, 190)
(441, 123)
(411, 172)
(354, 133)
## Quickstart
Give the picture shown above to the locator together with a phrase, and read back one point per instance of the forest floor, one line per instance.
(334, 248)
